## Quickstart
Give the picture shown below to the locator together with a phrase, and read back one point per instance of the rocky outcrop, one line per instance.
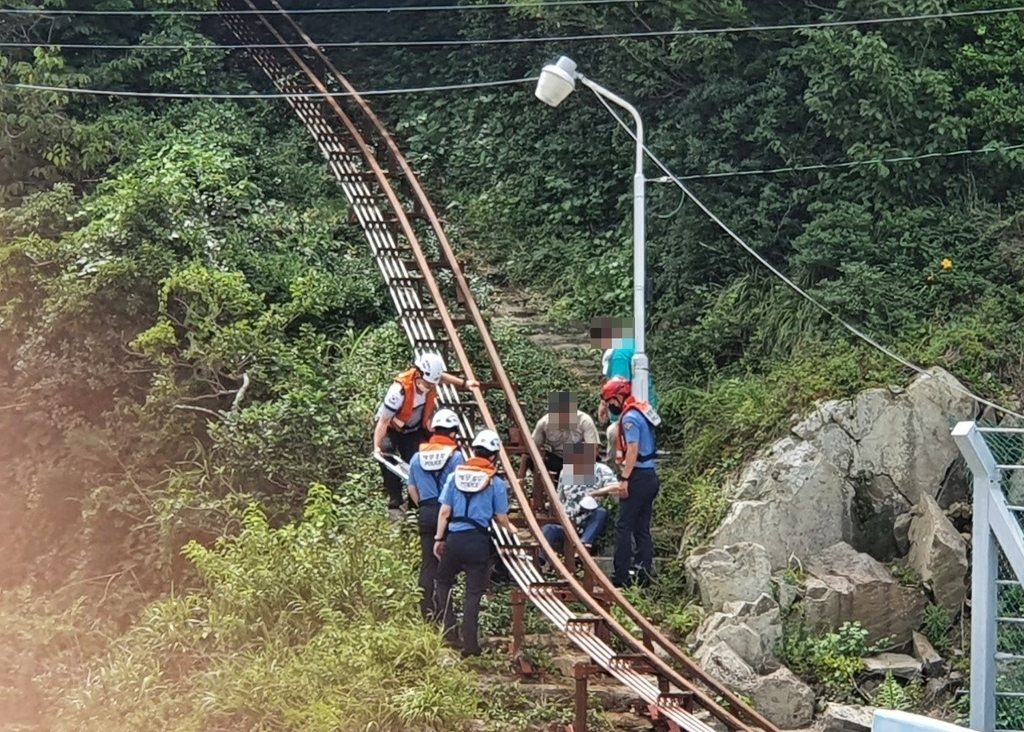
(750, 629)
(848, 470)
(846, 585)
(938, 554)
(843, 718)
(741, 572)
(780, 696)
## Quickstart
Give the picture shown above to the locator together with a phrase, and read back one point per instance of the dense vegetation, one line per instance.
(192, 335)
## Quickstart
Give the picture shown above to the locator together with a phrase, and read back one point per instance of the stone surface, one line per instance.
(738, 572)
(924, 651)
(784, 699)
(750, 629)
(725, 665)
(897, 664)
(938, 554)
(846, 585)
(845, 718)
(848, 470)
(901, 532)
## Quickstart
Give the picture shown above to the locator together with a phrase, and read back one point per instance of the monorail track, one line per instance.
(392, 209)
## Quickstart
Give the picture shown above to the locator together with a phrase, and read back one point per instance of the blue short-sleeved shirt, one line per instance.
(430, 482)
(482, 506)
(636, 428)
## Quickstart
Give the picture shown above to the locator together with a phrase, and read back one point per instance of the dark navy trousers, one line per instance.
(633, 525)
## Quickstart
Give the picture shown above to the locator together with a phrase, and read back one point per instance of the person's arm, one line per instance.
(379, 431)
(442, 527)
(602, 413)
(453, 380)
(540, 435)
(632, 452)
(500, 507)
(503, 522)
(589, 429)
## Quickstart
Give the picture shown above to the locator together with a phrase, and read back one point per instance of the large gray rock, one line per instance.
(783, 698)
(795, 501)
(897, 664)
(780, 696)
(750, 629)
(846, 585)
(741, 572)
(844, 718)
(938, 554)
(848, 470)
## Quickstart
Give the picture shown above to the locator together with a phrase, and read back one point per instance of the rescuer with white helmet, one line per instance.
(404, 415)
(428, 471)
(472, 497)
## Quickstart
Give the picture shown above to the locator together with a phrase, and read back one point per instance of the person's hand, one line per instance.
(378, 450)
(623, 489)
(438, 549)
(602, 413)
(470, 383)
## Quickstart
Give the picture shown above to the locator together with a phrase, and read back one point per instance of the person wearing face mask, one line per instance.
(639, 483)
(403, 416)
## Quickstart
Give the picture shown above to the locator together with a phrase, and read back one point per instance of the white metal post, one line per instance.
(640, 362)
(984, 573)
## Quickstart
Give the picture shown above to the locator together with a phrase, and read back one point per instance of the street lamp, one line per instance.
(557, 81)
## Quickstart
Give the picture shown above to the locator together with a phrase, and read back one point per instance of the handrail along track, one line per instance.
(353, 152)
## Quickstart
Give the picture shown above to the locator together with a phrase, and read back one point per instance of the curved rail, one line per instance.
(392, 236)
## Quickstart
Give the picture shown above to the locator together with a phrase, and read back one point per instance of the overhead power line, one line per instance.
(794, 286)
(543, 39)
(260, 95)
(327, 11)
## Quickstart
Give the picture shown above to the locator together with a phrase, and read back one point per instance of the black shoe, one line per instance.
(471, 654)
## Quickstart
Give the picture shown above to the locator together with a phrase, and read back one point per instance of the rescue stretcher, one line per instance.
(395, 464)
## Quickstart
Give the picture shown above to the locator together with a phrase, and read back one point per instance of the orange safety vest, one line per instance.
(642, 407)
(407, 379)
(471, 479)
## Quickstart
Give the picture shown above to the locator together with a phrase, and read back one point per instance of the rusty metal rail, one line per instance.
(395, 214)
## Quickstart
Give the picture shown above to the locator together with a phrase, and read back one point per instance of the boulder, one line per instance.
(723, 663)
(844, 718)
(849, 470)
(924, 651)
(782, 698)
(737, 572)
(938, 554)
(795, 501)
(750, 629)
(846, 585)
(901, 532)
(897, 664)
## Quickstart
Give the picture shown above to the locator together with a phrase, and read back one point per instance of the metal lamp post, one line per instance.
(557, 81)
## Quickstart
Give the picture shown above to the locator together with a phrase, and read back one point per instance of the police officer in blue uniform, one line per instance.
(472, 497)
(639, 483)
(428, 470)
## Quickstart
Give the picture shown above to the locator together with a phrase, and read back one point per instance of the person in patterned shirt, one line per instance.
(581, 481)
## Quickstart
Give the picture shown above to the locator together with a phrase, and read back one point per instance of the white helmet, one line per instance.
(488, 440)
(431, 366)
(445, 419)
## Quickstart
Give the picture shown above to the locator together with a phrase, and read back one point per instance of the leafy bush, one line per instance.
(310, 626)
(831, 660)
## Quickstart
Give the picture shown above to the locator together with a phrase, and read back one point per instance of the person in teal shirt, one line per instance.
(615, 337)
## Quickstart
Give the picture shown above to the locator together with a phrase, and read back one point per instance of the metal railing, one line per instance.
(995, 457)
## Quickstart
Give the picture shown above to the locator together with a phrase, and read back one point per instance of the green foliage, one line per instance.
(313, 625)
(891, 695)
(831, 660)
(509, 708)
(937, 626)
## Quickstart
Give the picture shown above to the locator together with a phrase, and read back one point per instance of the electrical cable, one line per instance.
(303, 95)
(795, 287)
(328, 11)
(546, 39)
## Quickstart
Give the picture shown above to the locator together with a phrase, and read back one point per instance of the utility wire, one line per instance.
(545, 39)
(799, 290)
(260, 95)
(852, 163)
(329, 11)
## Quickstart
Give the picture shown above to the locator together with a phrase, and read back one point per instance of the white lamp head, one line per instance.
(557, 81)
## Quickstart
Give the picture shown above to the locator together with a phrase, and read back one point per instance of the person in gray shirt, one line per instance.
(563, 425)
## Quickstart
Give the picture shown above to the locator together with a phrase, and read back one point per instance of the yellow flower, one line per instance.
(947, 263)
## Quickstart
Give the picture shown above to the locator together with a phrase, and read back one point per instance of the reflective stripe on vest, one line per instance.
(407, 380)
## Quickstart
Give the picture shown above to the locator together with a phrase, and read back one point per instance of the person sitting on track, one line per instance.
(564, 424)
(428, 470)
(403, 416)
(472, 497)
(583, 479)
